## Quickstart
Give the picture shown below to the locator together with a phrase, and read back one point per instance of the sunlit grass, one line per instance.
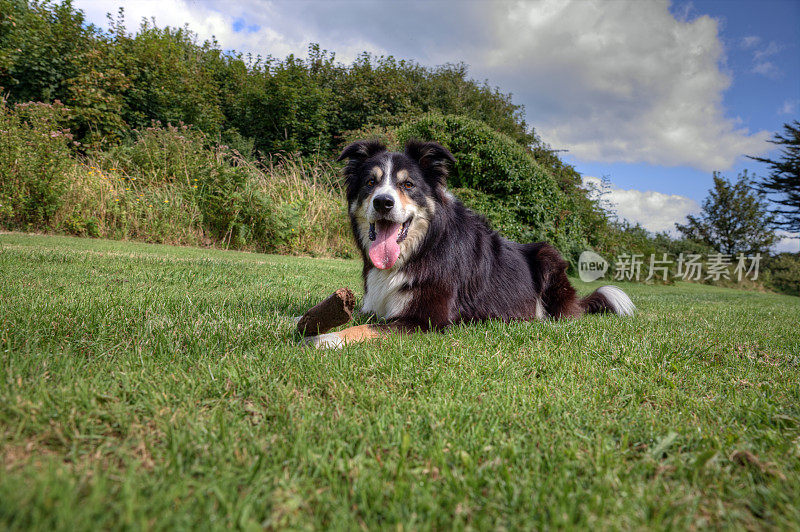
(152, 386)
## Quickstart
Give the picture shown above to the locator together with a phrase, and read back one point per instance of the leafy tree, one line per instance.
(41, 47)
(783, 183)
(115, 81)
(282, 107)
(733, 220)
(48, 54)
(173, 78)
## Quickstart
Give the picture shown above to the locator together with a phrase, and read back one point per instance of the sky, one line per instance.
(654, 96)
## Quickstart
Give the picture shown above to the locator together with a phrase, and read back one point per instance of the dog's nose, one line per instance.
(383, 203)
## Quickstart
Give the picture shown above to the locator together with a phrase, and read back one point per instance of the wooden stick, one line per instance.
(334, 311)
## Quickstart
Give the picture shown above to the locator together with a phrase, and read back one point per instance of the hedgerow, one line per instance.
(34, 157)
(169, 184)
(117, 81)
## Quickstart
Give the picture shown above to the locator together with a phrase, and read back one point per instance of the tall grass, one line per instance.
(324, 227)
(302, 201)
(168, 184)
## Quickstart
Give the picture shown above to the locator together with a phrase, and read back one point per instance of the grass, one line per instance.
(165, 206)
(147, 386)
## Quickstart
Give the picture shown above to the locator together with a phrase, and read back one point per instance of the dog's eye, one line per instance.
(371, 183)
(408, 185)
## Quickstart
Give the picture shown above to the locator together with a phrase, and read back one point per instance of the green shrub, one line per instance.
(82, 226)
(782, 273)
(500, 216)
(282, 205)
(499, 178)
(160, 154)
(209, 178)
(34, 157)
(120, 79)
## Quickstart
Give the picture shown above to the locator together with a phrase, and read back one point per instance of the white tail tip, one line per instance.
(619, 300)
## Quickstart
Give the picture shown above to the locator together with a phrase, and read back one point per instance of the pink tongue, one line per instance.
(384, 250)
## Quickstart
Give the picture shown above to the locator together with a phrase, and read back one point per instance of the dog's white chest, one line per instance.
(383, 296)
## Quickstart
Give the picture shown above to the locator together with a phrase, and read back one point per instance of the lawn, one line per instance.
(146, 386)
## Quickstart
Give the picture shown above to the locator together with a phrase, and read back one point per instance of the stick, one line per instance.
(334, 311)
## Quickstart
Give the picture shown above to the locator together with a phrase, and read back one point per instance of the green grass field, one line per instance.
(146, 386)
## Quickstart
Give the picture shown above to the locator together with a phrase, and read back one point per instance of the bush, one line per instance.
(241, 203)
(116, 80)
(499, 178)
(208, 179)
(782, 273)
(34, 158)
(500, 217)
(168, 184)
(173, 184)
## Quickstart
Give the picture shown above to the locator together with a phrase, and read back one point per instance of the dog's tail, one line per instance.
(608, 299)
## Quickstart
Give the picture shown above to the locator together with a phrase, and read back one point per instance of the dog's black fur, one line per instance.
(460, 270)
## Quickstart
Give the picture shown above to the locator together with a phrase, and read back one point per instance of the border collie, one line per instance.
(430, 262)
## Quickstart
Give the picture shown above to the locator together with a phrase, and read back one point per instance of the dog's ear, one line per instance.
(358, 152)
(432, 158)
(361, 150)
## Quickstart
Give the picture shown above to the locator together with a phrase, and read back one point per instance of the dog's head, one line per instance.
(392, 197)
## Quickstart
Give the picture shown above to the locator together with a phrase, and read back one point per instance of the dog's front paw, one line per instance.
(324, 341)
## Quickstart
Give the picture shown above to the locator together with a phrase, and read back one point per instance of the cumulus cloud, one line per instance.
(622, 81)
(655, 211)
(252, 26)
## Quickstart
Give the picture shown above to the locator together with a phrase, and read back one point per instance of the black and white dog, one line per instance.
(430, 262)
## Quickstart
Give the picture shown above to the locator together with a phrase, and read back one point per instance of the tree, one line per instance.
(782, 186)
(733, 219)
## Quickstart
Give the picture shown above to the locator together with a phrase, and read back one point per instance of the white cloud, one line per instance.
(686, 12)
(788, 243)
(769, 50)
(622, 81)
(655, 211)
(789, 107)
(767, 68)
(761, 64)
(750, 41)
(659, 212)
(761, 55)
(268, 31)
(204, 19)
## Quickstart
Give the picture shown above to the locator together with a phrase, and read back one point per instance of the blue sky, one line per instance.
(655, 95)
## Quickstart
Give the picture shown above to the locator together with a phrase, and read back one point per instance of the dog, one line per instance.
(430, 262)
